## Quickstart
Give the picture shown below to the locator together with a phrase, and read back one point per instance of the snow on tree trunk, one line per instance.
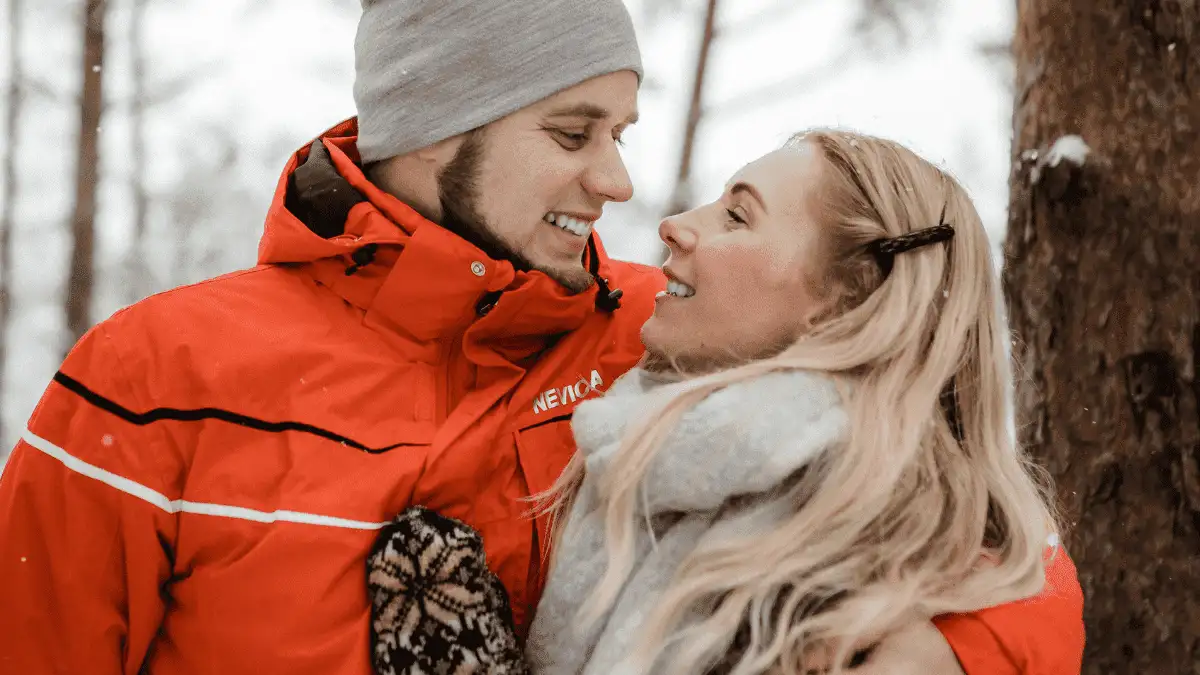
(1102, 278)
(87, 173)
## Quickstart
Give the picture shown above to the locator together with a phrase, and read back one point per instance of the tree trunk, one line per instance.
(12, 118)
(87, 173)
(1103, 286)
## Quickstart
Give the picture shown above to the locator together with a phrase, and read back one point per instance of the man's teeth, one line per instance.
(679, 290)
(579, 228)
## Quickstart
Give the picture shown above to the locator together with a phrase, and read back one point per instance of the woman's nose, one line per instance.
(676, 234)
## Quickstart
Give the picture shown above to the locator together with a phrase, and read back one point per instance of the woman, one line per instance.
(815, 452)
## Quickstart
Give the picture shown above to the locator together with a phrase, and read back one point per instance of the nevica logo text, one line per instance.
(553, 398)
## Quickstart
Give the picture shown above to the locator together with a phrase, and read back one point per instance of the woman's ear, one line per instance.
(819, 300)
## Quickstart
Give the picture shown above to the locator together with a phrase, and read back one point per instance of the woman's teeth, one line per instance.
(679, 290)
(579, 228)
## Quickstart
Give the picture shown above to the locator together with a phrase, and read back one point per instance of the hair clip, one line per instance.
(885, 249)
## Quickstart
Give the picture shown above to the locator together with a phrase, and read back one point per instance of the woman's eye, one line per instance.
(734, 217)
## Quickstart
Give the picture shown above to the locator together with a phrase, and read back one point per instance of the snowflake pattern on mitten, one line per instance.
(436, 608)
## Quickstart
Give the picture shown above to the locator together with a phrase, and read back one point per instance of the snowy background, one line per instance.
(238, 84)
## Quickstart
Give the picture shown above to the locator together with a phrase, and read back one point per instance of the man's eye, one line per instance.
(572, 138)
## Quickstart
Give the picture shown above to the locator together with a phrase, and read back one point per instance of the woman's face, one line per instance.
(739, 268)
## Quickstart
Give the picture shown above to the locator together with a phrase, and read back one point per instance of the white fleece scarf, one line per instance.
(744, 440)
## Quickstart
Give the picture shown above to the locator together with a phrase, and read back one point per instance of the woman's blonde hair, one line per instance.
(906, 520)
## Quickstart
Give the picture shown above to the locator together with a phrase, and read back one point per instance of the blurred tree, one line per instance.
(208, 209)
(888, 21)
(878, 20)
(87, 172)
(151, 89)
(999, 53)
(881, 24)
(137, 276)
(681, 197)
(1103, 287)
(14, 99)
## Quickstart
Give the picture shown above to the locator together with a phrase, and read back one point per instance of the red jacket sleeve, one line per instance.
(1040, 636)
(84, 528)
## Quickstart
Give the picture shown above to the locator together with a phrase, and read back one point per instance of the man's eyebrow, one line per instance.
(589, 110)
(749, 189)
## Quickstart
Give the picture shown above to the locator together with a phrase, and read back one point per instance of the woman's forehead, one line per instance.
(782, 177)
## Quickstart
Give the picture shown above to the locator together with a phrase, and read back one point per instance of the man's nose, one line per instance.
(608, 178)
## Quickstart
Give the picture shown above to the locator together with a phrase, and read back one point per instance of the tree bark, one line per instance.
(12, 125)
(1103, 286)
(87, 173)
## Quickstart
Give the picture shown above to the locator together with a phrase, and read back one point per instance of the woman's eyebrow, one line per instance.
(742, 186)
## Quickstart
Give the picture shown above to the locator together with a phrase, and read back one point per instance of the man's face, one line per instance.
(529, 187)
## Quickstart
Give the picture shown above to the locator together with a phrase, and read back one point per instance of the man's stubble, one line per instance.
(458, 192)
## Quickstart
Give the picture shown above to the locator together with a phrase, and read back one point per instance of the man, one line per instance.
(199, 487)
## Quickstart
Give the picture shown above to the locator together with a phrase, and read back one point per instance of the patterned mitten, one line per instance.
(436, 609)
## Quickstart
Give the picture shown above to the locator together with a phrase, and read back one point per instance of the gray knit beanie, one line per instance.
(427, 70)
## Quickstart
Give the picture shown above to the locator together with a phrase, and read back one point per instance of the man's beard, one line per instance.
(458, 192)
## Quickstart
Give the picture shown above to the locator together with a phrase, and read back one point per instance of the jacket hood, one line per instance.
(288, 239)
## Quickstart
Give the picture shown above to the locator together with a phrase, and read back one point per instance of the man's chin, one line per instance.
(576, 279)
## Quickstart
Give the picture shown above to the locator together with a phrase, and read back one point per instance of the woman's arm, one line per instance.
(918, 649)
